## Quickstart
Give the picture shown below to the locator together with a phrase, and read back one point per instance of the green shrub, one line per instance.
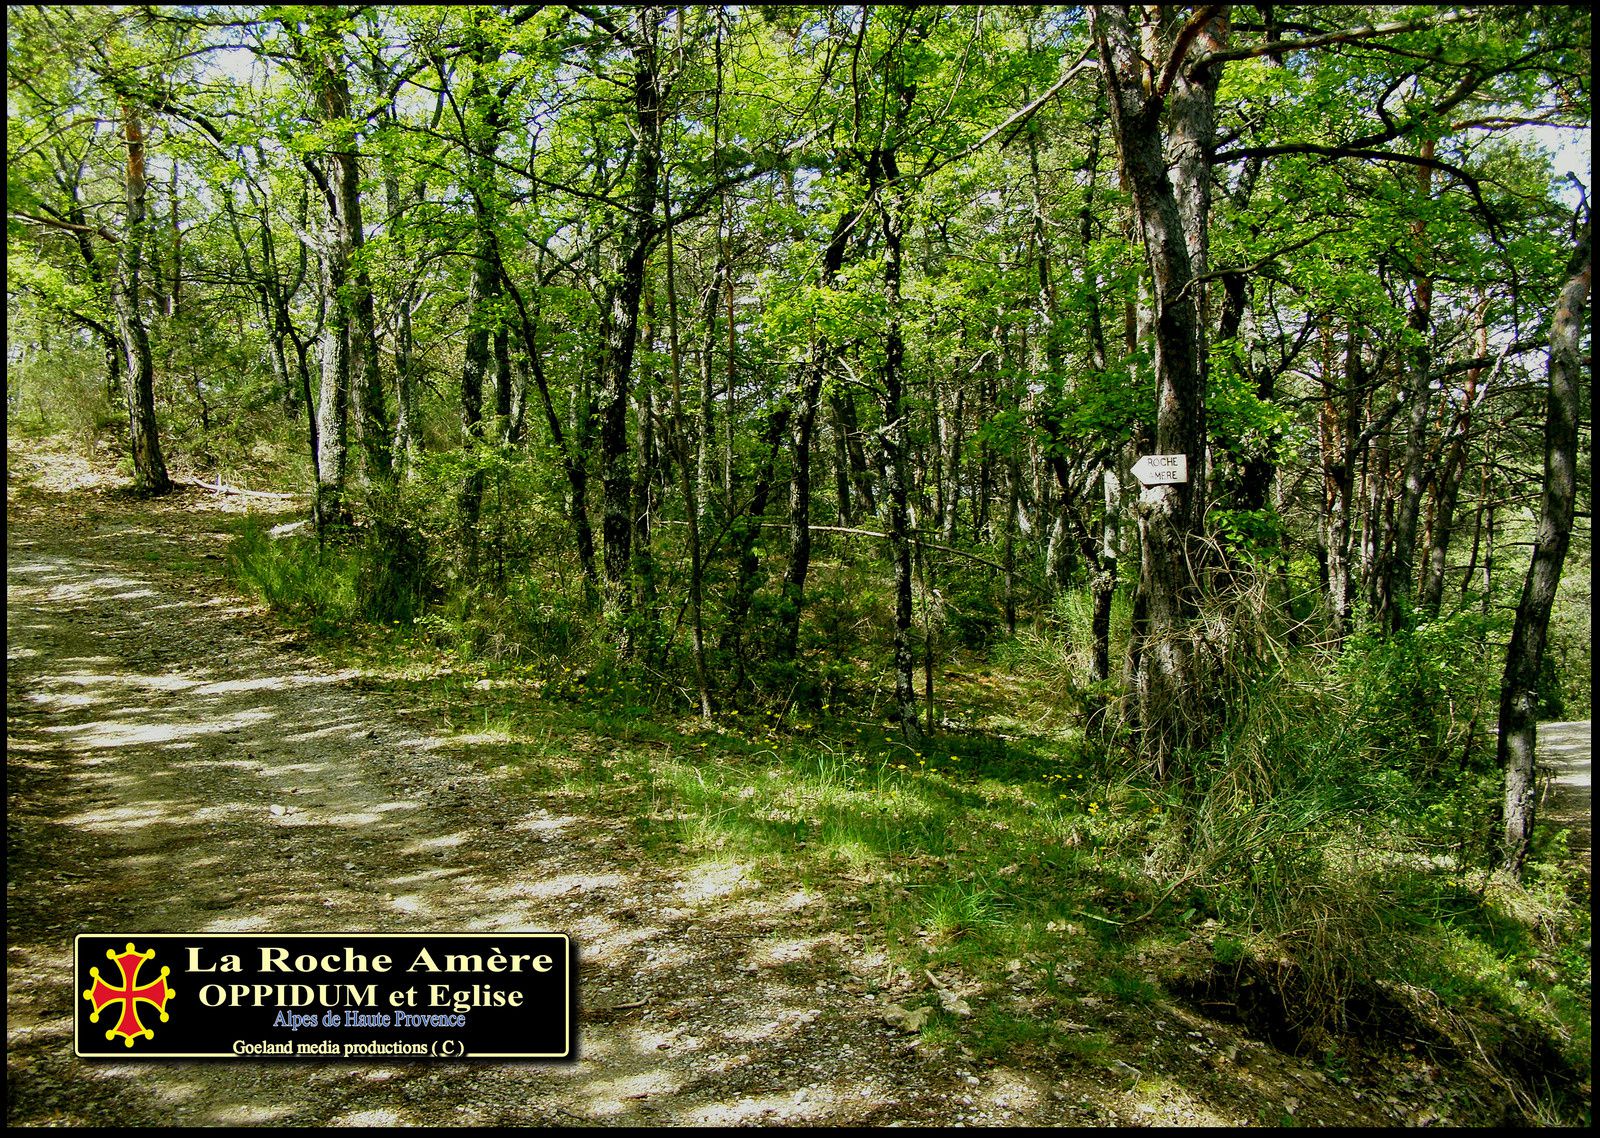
(393, 578)
(1425, 692)
(64, 390)
(972, 618)
(296, 575)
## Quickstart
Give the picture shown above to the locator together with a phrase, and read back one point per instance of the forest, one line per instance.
(1172, 418)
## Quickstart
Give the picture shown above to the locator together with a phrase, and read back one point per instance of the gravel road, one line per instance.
(1563, 750)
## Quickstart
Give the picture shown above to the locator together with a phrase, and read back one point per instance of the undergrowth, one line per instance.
(1332, 840)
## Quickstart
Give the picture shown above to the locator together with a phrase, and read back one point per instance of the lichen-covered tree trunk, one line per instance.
(1168, 169)
(895, 413)
(688, 472)
(1525, 653)
(347, 364)
(354, 294)
(1339, 426)
(407, 446)
(333, 408)
(646, 502)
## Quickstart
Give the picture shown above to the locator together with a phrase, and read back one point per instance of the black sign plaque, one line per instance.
(362, 996)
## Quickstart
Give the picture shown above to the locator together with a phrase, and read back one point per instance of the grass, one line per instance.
(1023, 849)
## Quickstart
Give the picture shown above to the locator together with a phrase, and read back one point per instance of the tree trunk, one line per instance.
(1171, 193)
(321, 56)
(1008, 539)
(1397, 581)
(643, 567)
(895, 413)
(688, 470)
(1338, 435)
(474, 366)
(485, 345)
(407, 442)
(848, 426)
(705, 469)
(955, 427)
(149, 467)
(571, 449)
(802, 420)
(1103, 587)
(1485, 511)
(366, 385)
(619, 325)
(333, 424)
(747, 529)
(1525, 653)
(841, 463)
(1442, 526)
(1377, 530)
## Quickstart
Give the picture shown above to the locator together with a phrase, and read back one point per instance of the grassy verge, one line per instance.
(1312, 875)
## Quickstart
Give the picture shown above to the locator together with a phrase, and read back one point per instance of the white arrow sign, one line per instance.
(1161, 469)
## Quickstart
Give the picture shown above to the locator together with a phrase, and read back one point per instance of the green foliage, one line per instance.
(1427, 693)
(955, 909)
(1128, 989)
(971, 616)
(1254, 535)
(64, 390)
(393, 576)
(847, 607)
(308, 581)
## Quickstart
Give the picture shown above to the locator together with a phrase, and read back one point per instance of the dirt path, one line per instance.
(1564, 755)
(175, 765)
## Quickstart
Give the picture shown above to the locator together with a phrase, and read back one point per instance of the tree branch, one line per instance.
(1348, 35)
(1020, 117)
(101, 232)
(1466, 179)
(1180, 48)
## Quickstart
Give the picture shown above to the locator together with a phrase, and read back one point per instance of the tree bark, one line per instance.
(474, 366)
(355, 295)
(1170, 184)
(333, 409)
(407, 448)
(1442, 524)
(802, 421)
(688, 471)
(895, 413)
(149, 467)
(621, 293)
(1339, 425)
(643, 566)
(481, 125)
(1525, 653)
(349, 349)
